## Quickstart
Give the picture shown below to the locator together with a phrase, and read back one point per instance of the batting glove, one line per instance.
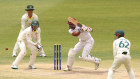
(87, 29)
(90, 29)
(81, 30)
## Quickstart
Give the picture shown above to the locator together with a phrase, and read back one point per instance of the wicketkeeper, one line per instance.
(25, 40)
(86, 43)
(121, 52)
(26, 22)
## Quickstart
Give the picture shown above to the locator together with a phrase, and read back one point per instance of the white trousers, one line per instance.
(16, 47)
(86, 46)
(118, 60)
(23, 52)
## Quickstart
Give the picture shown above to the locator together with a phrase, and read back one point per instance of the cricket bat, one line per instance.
(75, 22)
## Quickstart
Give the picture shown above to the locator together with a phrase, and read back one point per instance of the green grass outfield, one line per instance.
(104, 16)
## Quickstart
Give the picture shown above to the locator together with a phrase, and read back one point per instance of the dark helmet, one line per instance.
(119, 33)
(29, 7)
(35, 23)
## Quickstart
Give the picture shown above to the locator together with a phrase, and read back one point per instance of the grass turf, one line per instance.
(104, 16)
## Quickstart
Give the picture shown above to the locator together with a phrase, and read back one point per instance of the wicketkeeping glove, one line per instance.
(39, 47)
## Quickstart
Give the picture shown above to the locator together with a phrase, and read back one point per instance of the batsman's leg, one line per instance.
(71, 55)
(87, 48)
(71, 59)
(20, 56)
(85, 55)
(15, 50)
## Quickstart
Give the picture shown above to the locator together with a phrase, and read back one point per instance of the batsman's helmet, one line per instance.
(119, 33)
(35, 23)
(29, 7)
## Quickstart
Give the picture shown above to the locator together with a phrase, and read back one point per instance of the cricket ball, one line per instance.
(6, 48)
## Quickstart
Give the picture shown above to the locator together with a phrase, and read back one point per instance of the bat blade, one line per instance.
(72, 20)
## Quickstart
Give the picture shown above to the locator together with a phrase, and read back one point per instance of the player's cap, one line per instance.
(29, 7)
(35, 23)
(119, 33)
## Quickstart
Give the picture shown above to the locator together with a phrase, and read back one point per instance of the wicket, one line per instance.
(57, 53)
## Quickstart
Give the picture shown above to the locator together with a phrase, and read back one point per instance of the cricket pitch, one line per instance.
(45, 71)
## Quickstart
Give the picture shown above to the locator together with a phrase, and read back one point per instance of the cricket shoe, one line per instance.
(42, 55)
(68, 68)
(14, 55)
(97, 64)
(32, 67)
(14, 67)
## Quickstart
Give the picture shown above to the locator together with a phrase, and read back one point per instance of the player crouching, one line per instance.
(25, 40)
(86, 43)
(121, 52)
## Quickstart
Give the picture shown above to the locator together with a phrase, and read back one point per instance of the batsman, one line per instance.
(25, 40)
(86, 43)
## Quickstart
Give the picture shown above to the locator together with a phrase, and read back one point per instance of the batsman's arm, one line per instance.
(87, 29)
(76, 33)
(75, 22)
